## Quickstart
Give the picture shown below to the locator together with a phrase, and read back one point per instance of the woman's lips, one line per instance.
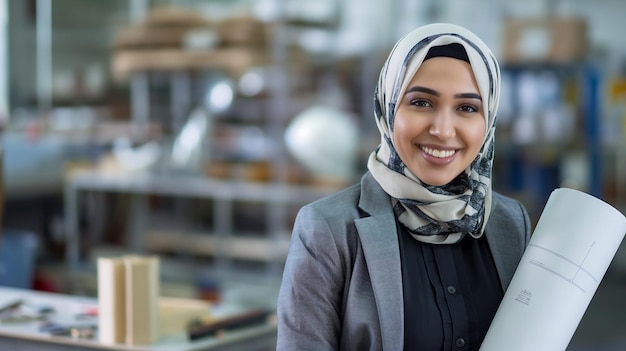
(438, 156)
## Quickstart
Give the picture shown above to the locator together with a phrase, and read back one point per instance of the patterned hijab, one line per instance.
(435, 214)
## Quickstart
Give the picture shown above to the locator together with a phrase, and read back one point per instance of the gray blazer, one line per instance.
(342, 284)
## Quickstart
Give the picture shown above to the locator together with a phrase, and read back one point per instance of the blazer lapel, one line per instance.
(380, 247)
(504, 245)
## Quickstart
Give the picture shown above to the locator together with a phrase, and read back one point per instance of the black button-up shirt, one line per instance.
(451, 293)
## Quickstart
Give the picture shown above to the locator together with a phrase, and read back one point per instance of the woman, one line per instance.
(418, 255)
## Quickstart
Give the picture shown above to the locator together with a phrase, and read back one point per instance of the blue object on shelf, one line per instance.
(18, 251)
(592, 127)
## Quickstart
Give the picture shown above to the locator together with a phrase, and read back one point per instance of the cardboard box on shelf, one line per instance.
(172, 39)
(234, 60)
(557, 40)
(244, 31)
(163, 27)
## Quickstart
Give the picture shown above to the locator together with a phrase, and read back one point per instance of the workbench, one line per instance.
(68, 309)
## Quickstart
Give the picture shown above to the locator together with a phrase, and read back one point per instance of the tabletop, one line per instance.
(69, 310)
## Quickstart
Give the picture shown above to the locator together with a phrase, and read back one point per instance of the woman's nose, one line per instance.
(442, 125)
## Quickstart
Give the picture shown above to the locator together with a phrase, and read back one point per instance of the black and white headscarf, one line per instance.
(435, 214)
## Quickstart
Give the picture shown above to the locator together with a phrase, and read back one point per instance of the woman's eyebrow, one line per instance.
(468, 96)
(421, 89)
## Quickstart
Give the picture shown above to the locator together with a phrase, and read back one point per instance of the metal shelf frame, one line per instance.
(222, 192)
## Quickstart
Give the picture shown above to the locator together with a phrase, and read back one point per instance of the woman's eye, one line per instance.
(420, 103)
(468, 108)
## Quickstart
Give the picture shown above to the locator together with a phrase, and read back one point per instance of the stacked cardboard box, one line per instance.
(556, 40)
(171, 39)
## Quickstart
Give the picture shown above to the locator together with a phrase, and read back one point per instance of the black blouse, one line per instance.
(451, 293)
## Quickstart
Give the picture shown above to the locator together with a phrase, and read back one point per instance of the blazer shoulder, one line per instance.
(339, 202)
(508, 212)
(505, 203)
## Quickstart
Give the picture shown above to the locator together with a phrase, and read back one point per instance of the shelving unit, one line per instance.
(276, 194)
(182, 67)
(164, 85)
(535, 167)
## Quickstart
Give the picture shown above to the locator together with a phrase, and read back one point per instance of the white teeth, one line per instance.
(438, 153)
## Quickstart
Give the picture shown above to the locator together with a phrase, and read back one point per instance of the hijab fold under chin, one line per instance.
(435, 214)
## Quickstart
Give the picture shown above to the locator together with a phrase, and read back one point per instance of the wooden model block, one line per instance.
(177, 313)
(142, 300)
(111, 301)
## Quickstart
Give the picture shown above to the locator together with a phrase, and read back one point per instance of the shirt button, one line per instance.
(460, 342)
(451, 289)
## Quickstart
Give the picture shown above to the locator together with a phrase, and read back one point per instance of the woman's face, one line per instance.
(440, 125)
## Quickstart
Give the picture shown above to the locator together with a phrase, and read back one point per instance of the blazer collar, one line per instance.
(379, 239)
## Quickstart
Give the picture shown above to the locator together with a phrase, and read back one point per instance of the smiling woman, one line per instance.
(419, 254)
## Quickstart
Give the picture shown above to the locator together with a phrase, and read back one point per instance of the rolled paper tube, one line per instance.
(569, 252)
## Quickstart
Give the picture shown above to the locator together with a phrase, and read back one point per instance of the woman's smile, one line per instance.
(437, 155)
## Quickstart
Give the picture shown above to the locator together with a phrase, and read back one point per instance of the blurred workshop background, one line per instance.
(195, 130)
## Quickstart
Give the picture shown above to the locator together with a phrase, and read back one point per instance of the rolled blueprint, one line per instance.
(569, 252)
